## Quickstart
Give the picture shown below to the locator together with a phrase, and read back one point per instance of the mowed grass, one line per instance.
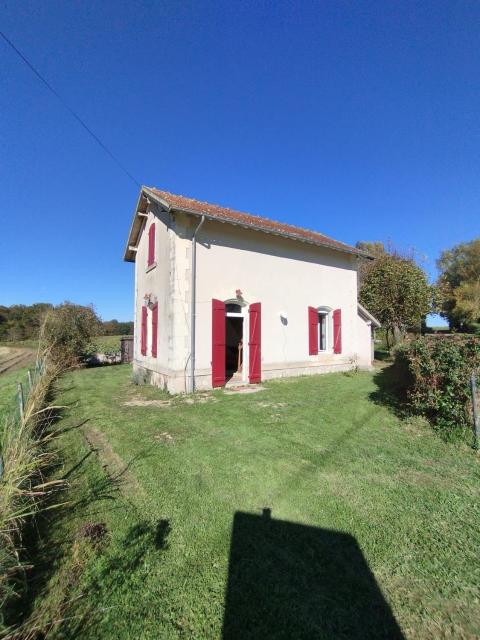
(367, 512)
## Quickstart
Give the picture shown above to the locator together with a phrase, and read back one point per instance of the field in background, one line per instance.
(14, 363)
(105, 344)
(101, 343)
(181, 485)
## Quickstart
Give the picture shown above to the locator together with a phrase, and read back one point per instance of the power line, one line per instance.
(69, 109)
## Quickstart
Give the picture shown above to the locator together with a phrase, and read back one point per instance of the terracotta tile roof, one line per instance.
(224, 214)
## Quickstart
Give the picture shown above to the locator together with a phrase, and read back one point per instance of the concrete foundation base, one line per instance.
(176, 382)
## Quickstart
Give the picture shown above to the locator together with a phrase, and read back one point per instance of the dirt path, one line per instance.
(14, 358)
(114, 466)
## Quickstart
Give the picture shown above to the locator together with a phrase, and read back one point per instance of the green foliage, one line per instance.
(116, 328)
(395, 290)
(67, 331)
(22, 322)
(458, 286)
(438, 379)
(375, 249)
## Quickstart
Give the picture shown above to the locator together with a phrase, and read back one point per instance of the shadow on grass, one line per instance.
(288, 580)
(391, 389)
(383, 355)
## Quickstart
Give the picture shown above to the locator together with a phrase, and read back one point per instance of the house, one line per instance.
(223, 296)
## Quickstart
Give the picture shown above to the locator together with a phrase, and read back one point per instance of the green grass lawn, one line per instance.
(373, 522)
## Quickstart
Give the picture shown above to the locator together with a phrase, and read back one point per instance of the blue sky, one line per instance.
(357, 119)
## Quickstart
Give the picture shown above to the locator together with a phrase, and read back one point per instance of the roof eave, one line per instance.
(137, 222)
(129, 255)
(281, 234)
(369, 316)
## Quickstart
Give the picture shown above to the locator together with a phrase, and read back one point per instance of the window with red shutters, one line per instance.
(143, 334)
(151, 245)
(312, 331)
(255, 342)
(154, 330)
(337, 331)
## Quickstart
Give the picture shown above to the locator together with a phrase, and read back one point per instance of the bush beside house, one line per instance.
(437, 373)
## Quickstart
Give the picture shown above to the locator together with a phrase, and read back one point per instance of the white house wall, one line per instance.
(156, 281)
(364, 341)
(285, 276)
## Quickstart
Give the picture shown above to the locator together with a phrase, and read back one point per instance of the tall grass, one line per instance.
(24, 490)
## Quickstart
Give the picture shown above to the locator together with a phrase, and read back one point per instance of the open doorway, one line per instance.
(234, 342)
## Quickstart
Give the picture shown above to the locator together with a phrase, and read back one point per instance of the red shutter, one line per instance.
(255, 342)
(337, 331)
(143, 335)
(154, 330)
(218, 343)
(312, 331)
(151, 245)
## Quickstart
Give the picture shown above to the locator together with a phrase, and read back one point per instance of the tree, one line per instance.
(67, 330)
(396, 291)
(375, 249)
(467, 302)
(458, 286)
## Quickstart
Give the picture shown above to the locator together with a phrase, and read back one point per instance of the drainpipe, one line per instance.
(193, 303)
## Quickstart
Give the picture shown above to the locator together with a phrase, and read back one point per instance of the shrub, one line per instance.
(67, 330)
(438, 372)
(26, 458)
(474, 327)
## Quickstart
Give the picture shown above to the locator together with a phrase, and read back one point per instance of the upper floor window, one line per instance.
(151, 245)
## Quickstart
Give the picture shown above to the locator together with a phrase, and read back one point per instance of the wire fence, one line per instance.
(23, 393)
(24, 390)
(475, 410)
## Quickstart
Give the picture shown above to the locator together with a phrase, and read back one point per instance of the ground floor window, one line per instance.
(322, 331)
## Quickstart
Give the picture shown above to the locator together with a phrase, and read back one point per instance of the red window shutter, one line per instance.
(151, 245)
(143, 335)
(154, 330)
(255, 343)
(337, 331)
(218, 343)
(312, 331)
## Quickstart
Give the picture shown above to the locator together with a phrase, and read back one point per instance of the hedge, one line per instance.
(438, 372)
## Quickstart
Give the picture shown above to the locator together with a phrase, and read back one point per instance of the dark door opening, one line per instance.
(233, 346)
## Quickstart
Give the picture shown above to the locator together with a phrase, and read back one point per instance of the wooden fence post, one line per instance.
(476, 416)
(30, 382)
(20, 399)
